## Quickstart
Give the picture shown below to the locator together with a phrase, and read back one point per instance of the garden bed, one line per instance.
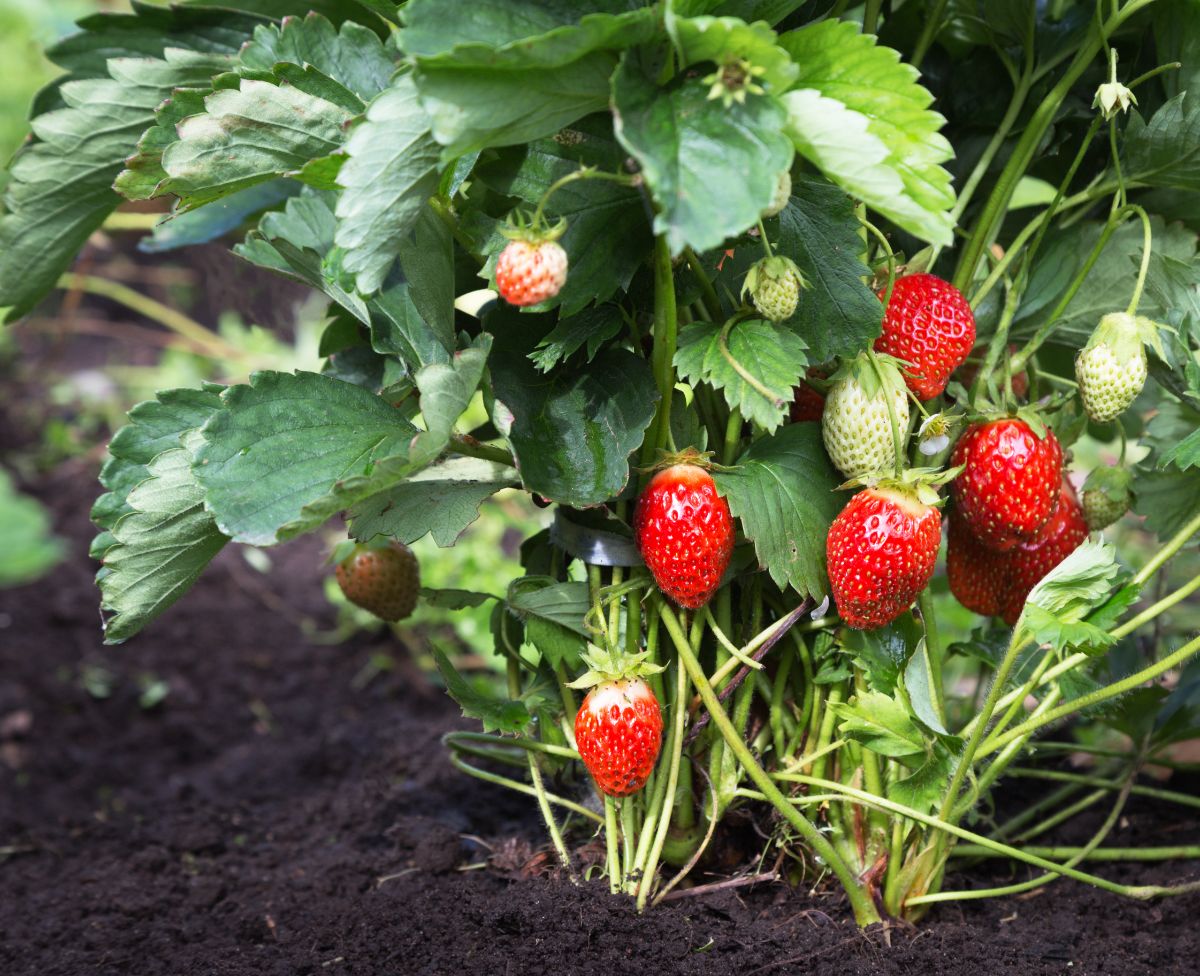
(271, 815)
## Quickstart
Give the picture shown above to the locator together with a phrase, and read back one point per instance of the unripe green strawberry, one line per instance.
(783, 193)
(774, 285)
(1106, 496)
(856, 425)
(385, 581)
(1111, 369)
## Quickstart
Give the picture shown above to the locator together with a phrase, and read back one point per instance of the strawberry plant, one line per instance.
(958, 235)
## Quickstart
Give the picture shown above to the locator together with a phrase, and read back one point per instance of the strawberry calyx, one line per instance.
(532, 228)
(1126, 334)
(862, 369)
(913, 487)
(689, 455)
(769, 270)
(351, 547)
(613, 665)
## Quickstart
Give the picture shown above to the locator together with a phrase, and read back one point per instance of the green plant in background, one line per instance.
(28, 549)
(705, 215)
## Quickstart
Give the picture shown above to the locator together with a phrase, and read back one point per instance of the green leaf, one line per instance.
(838, 314)
(558, 645)
(27, 547)
(593, 326)
(441, 500)
(924, 788)
(519, 33)
(160, 547)
(497, 714)
(918, 682)
(248, 135)
(154, 426)
(60, 185)
(571, 431)
(782, 489)
(608, 235)
(544, 598)
(448, 599)
(1166, 150)
(882, 724)
(721, 40)
(881, 653)
(353, 56)
(217, 219)
(1056, 606)
(858, 113)
(391, 173)
(711, 169)
(473, 108)
(1110, 282)
(771, 354)
(284, 441)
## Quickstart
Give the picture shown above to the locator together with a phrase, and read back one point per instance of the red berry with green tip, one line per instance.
(881, 551)
(929, 325)
(383, 581)
(1009, 486)
(685, 533)
(618, 732)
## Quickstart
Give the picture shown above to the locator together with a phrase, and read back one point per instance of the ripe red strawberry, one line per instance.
(1030, 561)
(880, 551)
(807, 403)
(383, 581)
(618, 731)
(530, 272)
(928, 324)
(685, 533)
(978, 575)
(1009, 487)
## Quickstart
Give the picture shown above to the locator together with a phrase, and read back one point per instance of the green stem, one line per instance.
(708, 294)
(1026, 147)
(933, 23)
(519, 787)
(1082, 779)
(169, 318)
(864, 911)
(933, 646)
(1097, 696)
(1182, 853)
(666, 326)
(1140, 892)
(871, 16)
(612, 838)
(885, 388)
(628, 832)
(468, 446)
(1177, 542)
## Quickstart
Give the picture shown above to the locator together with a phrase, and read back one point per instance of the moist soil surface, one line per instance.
(275, 814)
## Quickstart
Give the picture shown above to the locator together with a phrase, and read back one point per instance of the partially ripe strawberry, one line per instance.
(530, 272)
(978, 576)
(1112, 368)
(383, 581)
(618, 732)
(1030, 561)
(881, 551)
(685, 533)
(929, 325)
(1008, 488)
(855, 424)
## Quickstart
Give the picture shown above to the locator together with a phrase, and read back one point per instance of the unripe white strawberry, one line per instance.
(1111, 369)
(774, 285)
(856, 425)
(783, 193)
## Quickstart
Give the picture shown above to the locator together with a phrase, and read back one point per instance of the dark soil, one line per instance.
(270, 816)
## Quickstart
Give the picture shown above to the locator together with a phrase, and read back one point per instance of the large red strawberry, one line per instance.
(1030, 561)
(978, 575)
(1008, 488)
(618, 732)
(382, 580)
(685, 533)
(880, 551)
(928, 324)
